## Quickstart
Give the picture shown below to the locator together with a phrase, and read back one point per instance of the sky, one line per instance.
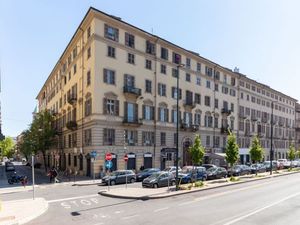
(260, 37)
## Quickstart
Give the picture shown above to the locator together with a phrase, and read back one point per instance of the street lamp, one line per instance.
(271, 149)
(177, 125)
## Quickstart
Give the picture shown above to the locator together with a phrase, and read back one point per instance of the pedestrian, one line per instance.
(142, 168)
(24, 181)
(52, 175)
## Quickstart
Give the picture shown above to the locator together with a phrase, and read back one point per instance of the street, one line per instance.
(273, 201)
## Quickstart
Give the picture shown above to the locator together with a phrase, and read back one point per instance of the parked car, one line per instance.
(216, 173)
(146, 173)
(172, 169)
(258, 167)
(275, 165)
(160, 179)
(119, 177)
(296, 163)
(285, 163)
(9, 166)
(208, 166)
(190, 173)
(239, 170)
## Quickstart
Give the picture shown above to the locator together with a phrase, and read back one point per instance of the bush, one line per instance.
(190, 186)
(234, 179)
(199, 184)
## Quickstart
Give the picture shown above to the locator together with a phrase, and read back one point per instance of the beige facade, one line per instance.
(114, 90)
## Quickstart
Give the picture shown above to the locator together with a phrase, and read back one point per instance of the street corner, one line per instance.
(22, 211)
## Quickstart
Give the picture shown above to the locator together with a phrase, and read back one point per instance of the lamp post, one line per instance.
(177, 125)
(271, 149)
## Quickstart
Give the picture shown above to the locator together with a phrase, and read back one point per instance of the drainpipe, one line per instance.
(155, 99)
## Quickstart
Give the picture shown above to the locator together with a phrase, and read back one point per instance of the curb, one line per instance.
(87, 184)
(148, 197)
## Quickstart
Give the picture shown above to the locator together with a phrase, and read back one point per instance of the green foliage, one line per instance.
(256, 150)
(197, 151)
(199, 184)
(25, 145)
(234, 179)
(291, 153)
(7, 146)
(232, 150)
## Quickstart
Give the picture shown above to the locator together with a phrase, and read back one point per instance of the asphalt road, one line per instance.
(274, 201)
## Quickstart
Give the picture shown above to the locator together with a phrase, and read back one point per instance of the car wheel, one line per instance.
(173, 183)
(132, 180)
(155, 185)
(112, 182)
(204, 179)
(10, 181)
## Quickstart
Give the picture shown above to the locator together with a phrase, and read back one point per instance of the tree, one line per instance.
(197, 151)
(25, 145)
(7, 146)
(232, 150)
(256, 151)
(291, 153)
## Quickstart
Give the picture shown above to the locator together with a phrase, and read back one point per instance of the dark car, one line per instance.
(216, 173)
(9, 166)
(146, 173)
(208, 166)
(160, 179)
(119, 177)
(190, 174)
(239, 170)
(258, 168)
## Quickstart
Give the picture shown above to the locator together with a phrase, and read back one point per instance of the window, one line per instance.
(207, 141)
(88, 137)
(207, 101)
(88, 78)
(110, 107)
(216, 87)
(148, 138)
(217, 75)
(129, 80)
(197, 98)
(187, 118)
(164, 53)
(175, 72)
(108, 136)
(242, 95)
(111, 52)
(188, 63)
(163, 114)
(88, 33)
(174, 93)
(109, 76)
(208, 121)
(130, 58)
(131, 137)
(216, 103)
(70, 141)
(232, 81)
(224, 90)
(232, 107)
(197, 119)
(148, 64)
(129, 40)
(148, 85)
(188, 77)
(198, 67)
(174, 116)
(74, 140)
(150, 48)
(198, 80)
(216, 122)
(148, 112)
(232, 92)
(74, 53)
(161, 89)
(162, 138)
(89, 53)
(163, 68)
(74, 69)
(88, 107)
(208, 71)
(111, 33)
(176, 58)
(208, 84)
(130, 112)
(69, 60)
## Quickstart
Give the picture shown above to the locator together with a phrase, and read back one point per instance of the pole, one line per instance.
(32, 166)
(126, 173)
(94, 170)
(271, 149)
(177, 126)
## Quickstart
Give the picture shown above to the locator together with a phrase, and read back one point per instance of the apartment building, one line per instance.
(297, 122)
(114, 89)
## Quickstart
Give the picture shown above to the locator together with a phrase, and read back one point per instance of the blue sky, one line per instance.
(261, 37)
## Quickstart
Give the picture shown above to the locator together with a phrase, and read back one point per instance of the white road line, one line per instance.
(129, 217)
(67, 199)
(261, 209)
(186, 203)
(161, 209)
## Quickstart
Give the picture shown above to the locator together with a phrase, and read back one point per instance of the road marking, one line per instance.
(73, 198)
(117, 212)
(129, 217)
(261, 209)
(186, 203)
(161, 209)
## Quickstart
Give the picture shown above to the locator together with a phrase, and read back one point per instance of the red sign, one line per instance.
(108, 156)
(126, 158)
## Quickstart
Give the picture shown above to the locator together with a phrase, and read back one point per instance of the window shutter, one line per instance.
(136, 110)
(105, 75)
(167, 115)
(172, 116)
(104, 106)
(125, 80)
(159, 114)
(113, 78)
(173, 92)
(152, 113)
(144, 113)
(159, 89)
(125, 110)
(180, 94)
(117, 107)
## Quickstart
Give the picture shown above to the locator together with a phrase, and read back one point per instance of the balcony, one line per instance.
(71, 125)
(132, 121)
(189, 103)
(184, 126)
(132, 91)
(243, 116)
(72, 99)
(226, 111)
(225, 130)
(195, 127)
(254, 118)
(58, 131)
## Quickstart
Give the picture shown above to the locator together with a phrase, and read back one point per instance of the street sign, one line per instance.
(126, 158)
(108, 164)
(108, 156)
(93, 154)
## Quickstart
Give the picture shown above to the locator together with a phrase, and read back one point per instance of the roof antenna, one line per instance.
(152, 30)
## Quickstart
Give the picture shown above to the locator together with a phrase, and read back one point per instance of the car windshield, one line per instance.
(155, 175)
(115, 173)
(146, 170)
(212, 169)
(236, 167)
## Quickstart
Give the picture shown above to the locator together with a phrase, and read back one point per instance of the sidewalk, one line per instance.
(22, 211)
(151, 193)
